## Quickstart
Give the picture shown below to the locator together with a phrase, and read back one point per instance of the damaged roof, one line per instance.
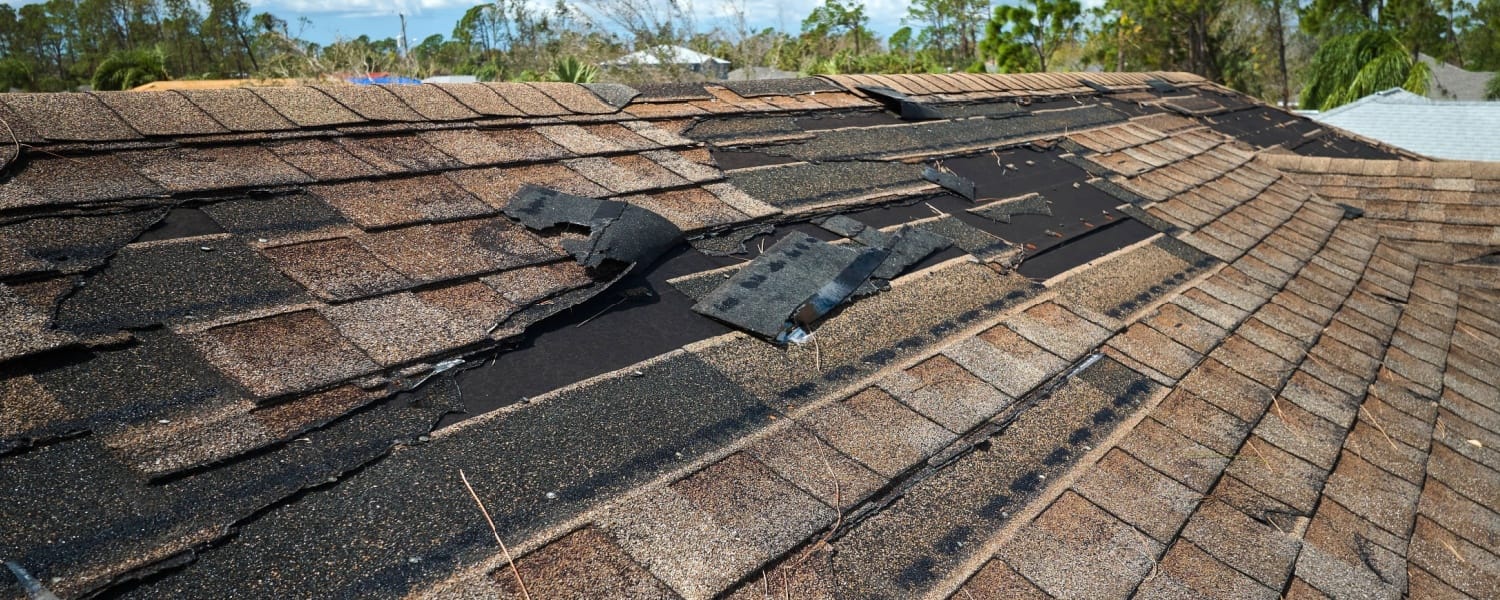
(1046, 335)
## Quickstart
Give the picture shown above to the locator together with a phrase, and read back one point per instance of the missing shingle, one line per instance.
(1160, 86)
(731, 242)
(618, 231)
(1094, 86)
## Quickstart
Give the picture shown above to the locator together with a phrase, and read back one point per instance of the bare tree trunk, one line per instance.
(1286, 86)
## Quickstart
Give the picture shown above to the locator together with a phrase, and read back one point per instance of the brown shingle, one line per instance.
(480, 99)
(322, 159)
(1006, 360)
(943, 391)
(1278, 474)
(432, 321)
(431, 102)
(625, 174)
(1175, 455)
(496, 186)
(399, 153)
(448, 250)
(161, 113)
(1202, 422)
(1189, 572)
(495, 146)
(574, 97)
(799, 456)
(1075, 550)
(528, 284)
(68, 180)
(336, 269)
(689, 209)
(282, 354)
(213, 168)
(68, 117)
(878, 431)
(1136, 493)
(1057, 330)
(390, 202)
(578, 140)
(371, 102)
(238, 109)
(1249, 546)
(306, 106)
(527, 99)
(586, 563)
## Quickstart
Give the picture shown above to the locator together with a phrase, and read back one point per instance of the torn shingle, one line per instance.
(951, 181)
(790, 286)
(1002, 210)
(613, 94)
(618, 231)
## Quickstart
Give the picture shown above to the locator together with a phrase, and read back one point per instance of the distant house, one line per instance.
(757, 73)
(1436, 128)
(451, 79)
(1452, 83)
(711, 67)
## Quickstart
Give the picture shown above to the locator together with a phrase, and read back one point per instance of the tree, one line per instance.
(1492, 89)
(950, 28)
(1023, 38)
(126, 70)
(572, 70)
(835, 16)
(1352, 66)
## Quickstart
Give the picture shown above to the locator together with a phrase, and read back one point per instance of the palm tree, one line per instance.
(572, 70)
(1354, 65)
(126, 70)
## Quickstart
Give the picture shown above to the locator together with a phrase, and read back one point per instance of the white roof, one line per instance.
(451, 79)
(676, 55)
(1439, 129)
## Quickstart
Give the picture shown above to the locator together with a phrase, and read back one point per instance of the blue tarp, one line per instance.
(384, 79)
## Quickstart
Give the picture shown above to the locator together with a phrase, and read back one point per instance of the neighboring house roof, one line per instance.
(672, 55)
(1454, 83)
(451, 79)
(754, 73)
(1451, 130)
(276, 342)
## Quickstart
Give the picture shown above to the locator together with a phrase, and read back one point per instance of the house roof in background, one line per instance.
(1455, 83)
(1440, 129)
(1136, 334)
(676, 55)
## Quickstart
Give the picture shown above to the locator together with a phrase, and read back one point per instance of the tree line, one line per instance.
(1319, 52)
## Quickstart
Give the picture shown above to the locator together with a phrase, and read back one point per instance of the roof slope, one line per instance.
(1440, 129)
(1182, 342)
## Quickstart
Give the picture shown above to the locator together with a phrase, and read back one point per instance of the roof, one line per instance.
(1455, 83)
(1440, 129)
(1067, 335)
(676, 55)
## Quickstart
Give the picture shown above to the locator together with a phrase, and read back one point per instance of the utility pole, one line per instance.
(404, 49)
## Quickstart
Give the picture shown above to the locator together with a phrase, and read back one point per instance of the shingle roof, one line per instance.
(1181, 343)
(1436, 128)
